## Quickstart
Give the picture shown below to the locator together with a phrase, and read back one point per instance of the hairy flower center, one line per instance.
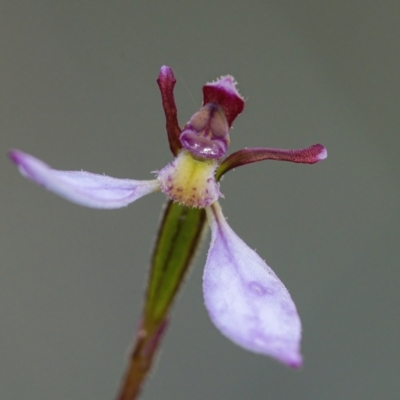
(190, 181)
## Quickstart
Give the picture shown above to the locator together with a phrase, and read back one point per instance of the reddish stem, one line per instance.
(141, 359)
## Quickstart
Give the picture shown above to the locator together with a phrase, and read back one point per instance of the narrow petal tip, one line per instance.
(13, 155)
(166, 73)
(323, 153)
(296, 362)
(19, 158)
(290, 356)
(29, 166)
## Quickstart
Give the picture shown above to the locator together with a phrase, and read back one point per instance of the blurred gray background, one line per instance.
(77, 87)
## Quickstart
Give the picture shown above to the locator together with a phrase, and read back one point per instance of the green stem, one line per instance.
(178, 239)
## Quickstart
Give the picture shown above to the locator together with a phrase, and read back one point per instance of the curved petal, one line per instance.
(245, 299)
(84, 188)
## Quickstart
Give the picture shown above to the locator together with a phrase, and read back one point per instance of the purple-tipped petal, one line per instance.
(166, 82)
(84, 188)
(245, 299)
(309, 155)
(223, 92)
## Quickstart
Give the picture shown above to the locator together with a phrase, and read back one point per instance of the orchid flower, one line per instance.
(245, 299)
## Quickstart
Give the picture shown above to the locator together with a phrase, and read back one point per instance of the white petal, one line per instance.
(245, 299)
(84, 188)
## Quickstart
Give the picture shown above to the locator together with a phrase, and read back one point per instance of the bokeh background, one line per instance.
(77, 89)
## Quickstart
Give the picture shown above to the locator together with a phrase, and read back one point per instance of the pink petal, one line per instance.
(84, 188)
(224, 93)
(245, 299)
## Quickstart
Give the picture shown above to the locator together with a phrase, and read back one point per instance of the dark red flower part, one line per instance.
(206, 135)
(224, 93)
(309, 155)
(166, 82)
